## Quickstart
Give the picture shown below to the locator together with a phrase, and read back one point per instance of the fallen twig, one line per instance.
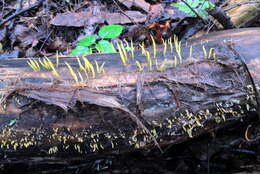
(37, 4)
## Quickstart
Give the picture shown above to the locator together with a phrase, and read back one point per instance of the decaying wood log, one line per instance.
(243, 13)
(126, 109)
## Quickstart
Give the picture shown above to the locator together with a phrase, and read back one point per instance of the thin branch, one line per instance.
(37, 4)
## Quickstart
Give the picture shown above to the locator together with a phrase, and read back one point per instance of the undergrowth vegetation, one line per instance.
(195, 7)
(89, 44)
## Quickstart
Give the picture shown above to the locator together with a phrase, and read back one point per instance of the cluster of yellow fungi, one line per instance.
(125, 51)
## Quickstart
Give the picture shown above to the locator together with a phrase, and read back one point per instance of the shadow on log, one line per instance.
(45, 120)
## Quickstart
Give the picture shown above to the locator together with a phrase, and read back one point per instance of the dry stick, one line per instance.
(48, 36)
(21, 12)
(240, 57)
(19, 6)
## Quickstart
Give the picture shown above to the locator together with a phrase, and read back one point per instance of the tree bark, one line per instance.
(243, 13)
(123, 109)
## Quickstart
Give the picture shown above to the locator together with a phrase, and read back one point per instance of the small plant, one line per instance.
(199, 6)
(85, 45)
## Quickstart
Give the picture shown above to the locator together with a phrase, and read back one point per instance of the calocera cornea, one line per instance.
(190, 124)
(87, 70)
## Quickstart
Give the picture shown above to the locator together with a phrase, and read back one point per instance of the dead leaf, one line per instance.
(57, 45)
(161, 30)
(156, 9)
(119, 18)
(127, 3)
(3, 33)
(30, 52)
(138, 34)
(170, 11)
(20, 30)
(15, 53)
(75, 19)
(136, 3)
(27, 36)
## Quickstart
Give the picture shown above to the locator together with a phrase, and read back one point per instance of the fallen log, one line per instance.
(243, 13)
(45, 116)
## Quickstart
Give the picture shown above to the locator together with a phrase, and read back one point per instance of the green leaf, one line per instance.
(208, 5)
(211, 5)
(87, 41)
(110, 31)
(12, 122)
(200, 6)
(81, 50)
(105, 46)
(204, 14)
(183, 7)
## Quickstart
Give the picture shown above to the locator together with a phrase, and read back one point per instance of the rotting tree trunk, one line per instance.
(43, 120)
(243, 13)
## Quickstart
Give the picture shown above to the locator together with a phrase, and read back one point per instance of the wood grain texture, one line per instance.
(108, 114)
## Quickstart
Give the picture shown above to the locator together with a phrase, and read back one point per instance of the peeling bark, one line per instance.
(124, 109)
